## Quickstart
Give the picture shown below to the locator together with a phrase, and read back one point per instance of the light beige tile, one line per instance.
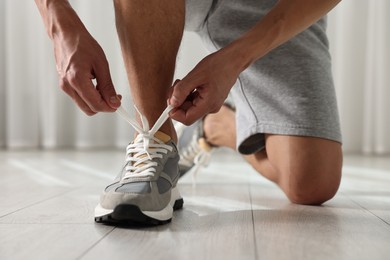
(216, 223)
(47, 201)
(48, 241)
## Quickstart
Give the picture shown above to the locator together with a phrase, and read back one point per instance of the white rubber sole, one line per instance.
(162, 215)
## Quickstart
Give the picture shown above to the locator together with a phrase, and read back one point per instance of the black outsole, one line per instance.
(178, 204)
(131, 215)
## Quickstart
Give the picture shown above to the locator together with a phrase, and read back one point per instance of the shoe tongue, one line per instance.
(162, 136)
(204, 145)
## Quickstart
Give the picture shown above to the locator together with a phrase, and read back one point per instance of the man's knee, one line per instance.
(314, 187)
(308, 169)
(311, 196)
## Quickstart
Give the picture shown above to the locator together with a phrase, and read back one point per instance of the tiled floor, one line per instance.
(47, 201)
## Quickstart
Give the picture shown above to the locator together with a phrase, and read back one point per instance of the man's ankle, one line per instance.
(169, 129)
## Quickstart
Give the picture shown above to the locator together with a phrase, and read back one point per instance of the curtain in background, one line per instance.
(33, 110)
(35, 113)
(360, 40)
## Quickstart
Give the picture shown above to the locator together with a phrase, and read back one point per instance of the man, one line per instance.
(286, 119)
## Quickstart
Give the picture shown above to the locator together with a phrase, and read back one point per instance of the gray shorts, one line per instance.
(289, 91)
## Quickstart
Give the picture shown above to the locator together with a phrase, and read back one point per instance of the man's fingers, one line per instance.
(92, 97)
(170, 91)
(106, 87)
(88, 93)
(181, 91)
(82, 105)
(189, 113)
(187, 117)
(76, 98)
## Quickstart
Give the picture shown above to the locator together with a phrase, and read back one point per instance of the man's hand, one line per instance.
(79, 59)
(205, 88)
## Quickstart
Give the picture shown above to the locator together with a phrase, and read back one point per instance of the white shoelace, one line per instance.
(197, 155)
(141, 152)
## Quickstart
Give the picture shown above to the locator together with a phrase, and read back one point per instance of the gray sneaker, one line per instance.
(195, 151)
(145, 192)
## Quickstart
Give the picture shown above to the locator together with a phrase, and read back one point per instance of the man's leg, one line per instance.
(307, 169)
(150, 33)
(146, 190)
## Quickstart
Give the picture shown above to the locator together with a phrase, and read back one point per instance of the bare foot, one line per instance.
(220, 128)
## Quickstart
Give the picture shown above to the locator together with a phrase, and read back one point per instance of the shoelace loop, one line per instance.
(142, 144)
(202, 159)
(197, 154)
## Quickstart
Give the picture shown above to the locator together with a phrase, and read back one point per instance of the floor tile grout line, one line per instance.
(364, 208)
(372, 213)
(253, 221)
(38, 202)
(95, 244)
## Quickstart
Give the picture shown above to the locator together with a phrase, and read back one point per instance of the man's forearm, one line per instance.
(59, 17)
(285, 20)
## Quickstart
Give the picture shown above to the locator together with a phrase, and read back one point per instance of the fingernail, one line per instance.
(114, 100)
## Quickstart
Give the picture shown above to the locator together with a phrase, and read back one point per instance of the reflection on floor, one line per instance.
(47, 201)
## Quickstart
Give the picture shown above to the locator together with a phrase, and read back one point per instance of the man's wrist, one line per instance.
(59, 17)
(253, 45)
(241, 54)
